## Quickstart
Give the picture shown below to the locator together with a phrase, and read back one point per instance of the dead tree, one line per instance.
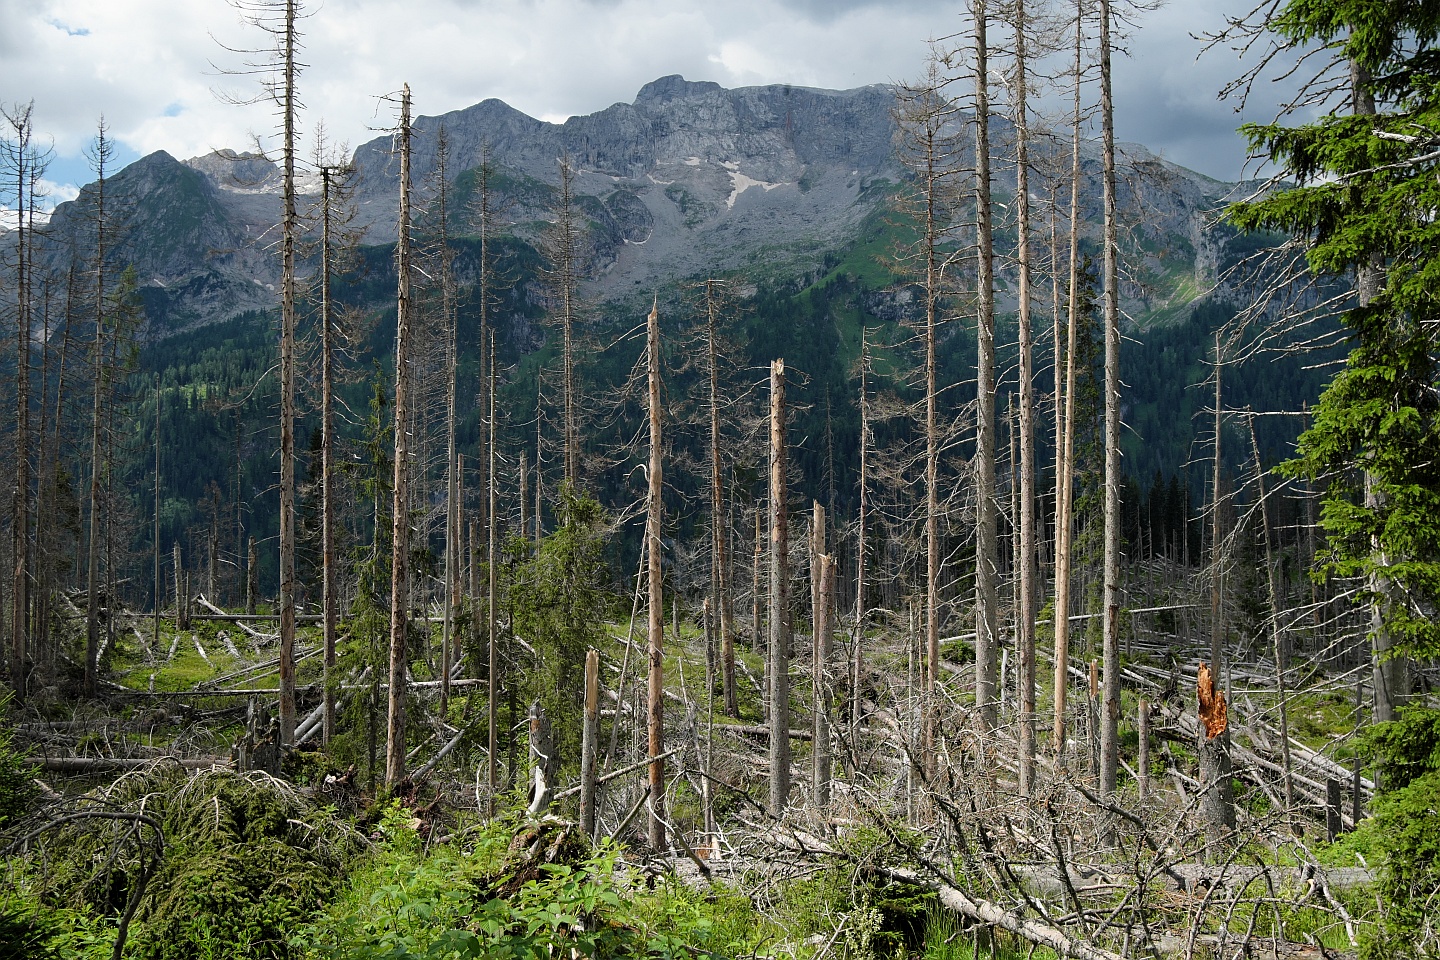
(1065, 427)
(400, 519)
(719, 559)
(656, 610)
(780, 623)
(1025, 560)
(1110, 650)
(986, 534)
(104, 151)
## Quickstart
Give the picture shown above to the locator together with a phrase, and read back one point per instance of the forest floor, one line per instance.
(911, 854)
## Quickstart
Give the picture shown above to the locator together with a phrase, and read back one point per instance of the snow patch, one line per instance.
(658, 182)
(739, 183)
(691, 161)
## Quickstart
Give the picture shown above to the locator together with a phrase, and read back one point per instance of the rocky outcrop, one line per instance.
(688, 178)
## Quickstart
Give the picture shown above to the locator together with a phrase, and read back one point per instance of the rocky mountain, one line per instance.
(689, 178)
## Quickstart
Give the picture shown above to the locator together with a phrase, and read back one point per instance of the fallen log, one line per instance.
(955, 899)
(102, 764)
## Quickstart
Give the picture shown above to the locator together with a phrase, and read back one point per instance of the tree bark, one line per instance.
(719, 561)
(288, 239)
(1110, 651)
(1065, 472)
(589, 738)
(986, 537)
(656, 611)
(820, 684)
(92, 593)
(492, 590)
(779, 599)
(400, 519)
(1025, 607)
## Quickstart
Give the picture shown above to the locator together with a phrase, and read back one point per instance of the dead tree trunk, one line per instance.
(92, 595)
(986, 536)
(1025, 607)
(656, 689)
(289, 236)
(1110, 651)
(492, 588)
(779, 599)
(857, 668)
(1213, 747)
(1064, 474)
(1277, 635)
(400, 526)
(719, 561)
(589, 738)
(820, 684)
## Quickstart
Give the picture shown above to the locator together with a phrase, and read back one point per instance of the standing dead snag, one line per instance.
(400, 516)
(545, 762)
(1213, 747)
(779, 599)
(820, 684)
(656, 690)
(589, 740)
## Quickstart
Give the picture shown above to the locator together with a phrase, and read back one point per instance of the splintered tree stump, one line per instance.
(545, 764)
(1217, 808)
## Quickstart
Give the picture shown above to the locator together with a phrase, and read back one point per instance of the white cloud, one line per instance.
(147, 64)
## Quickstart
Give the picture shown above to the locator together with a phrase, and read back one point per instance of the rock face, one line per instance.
(689, 178)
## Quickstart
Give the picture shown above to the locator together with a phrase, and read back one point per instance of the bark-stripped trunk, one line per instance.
(1025, 606)
(1065, 473)
(92, 595)
(820, 682)
(289, 229)
(719, 560)
(857, 667)
(1110, 651)
(779, 599)
(986, 536)
(329, 593)
(400, 519)
(492, 538)
(1277, 635)
(656, 613)
(24, 159)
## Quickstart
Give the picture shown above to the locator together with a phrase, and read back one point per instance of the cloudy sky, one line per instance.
(154, 67)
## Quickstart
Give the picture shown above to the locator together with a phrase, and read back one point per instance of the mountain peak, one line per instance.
(674, 87)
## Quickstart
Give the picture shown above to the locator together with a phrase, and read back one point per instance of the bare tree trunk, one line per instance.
(565, 255)
(986, 537)
(25, 177)
(779, 599)
(1277, 635)
(449, 317)
(400, 535)
(820, 684)
(157, 590)
(1217, 568)
(1025, 626)
(289, 231)
(492, 589)
(857, 668)
(1110, 652)
(755, 584)
(1065, 472)
(589, 739)
(329, 598)
(719, 561)
(656, 613)
(252, 576)
(92, 595)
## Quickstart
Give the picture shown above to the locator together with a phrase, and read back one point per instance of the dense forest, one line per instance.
(911, 602)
